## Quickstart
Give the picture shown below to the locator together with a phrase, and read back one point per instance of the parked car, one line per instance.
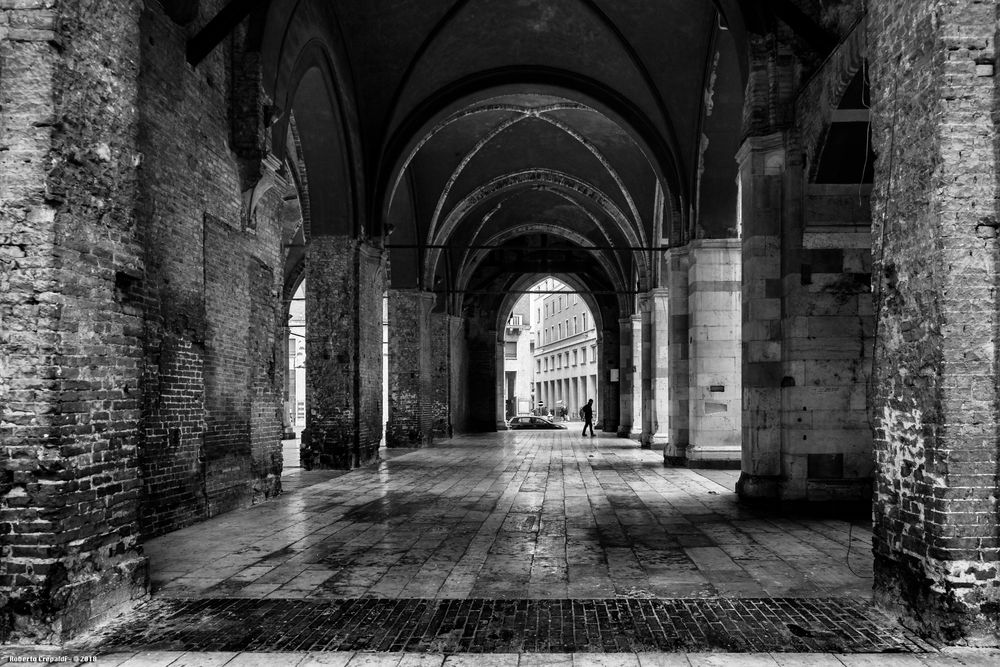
(526, 421)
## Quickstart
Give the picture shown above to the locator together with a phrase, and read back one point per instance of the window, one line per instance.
(583, 355)
(560, 332)
(585, 321)
(559, 360)
(538, 365)
(546, 363)
(575, 359)
(576, 299)
(576, 326)
(510, 350)
(539, 313)
(593, 352)
(560, 304)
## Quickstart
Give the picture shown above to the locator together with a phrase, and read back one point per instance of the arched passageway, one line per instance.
(781, 214)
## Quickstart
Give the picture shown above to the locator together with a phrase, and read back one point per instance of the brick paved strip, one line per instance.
(840, 625)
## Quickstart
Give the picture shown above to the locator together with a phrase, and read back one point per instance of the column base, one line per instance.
(502, 425)
(624, 430)
(720, 458)
(905, 589)
(675, 454)
(85, 604)
(655, 441)
(757, 488)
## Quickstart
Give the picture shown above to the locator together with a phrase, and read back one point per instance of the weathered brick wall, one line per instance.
(69, 317)
(934, 97)
(370, 294)
(211, 410)
(345, 283)
(441, 360)
(410, 369)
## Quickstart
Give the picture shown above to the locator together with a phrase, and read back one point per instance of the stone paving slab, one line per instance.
(515, 515)
(762, 625)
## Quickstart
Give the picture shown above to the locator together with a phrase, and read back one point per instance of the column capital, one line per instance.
(761, 145)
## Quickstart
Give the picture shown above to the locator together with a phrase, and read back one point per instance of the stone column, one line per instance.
(761, 170)
(626, 377)
(636, 322)
(289, 377)
(500, 381)
(607, 342)
(935, 403)
(656, 369)
(458, 377)
(714, 355)
(442, 360)
(410, 368)
(675, 451)
(344, 288)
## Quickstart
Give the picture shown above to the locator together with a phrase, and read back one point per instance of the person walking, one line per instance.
(588, 417)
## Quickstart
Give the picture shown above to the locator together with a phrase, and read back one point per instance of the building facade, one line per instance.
(565, 355)
(518, 366)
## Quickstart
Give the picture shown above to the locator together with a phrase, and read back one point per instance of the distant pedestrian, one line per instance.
(587, 412)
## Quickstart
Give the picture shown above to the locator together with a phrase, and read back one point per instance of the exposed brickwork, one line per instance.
(211, 438)
(935, 410)
(512, 626)
(410, 369)
(344, 286)
(441, 360)
(69, 317)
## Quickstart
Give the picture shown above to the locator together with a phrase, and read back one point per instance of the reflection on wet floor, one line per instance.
(513, 515)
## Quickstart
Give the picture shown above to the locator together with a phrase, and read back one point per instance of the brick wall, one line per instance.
(344, 287)
(410, 369)
(441, 360)
(70, 312)
(210, 441)
(934, 127)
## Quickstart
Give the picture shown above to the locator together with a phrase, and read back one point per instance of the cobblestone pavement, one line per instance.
(513, 515)
(957, 657)
(511, 626)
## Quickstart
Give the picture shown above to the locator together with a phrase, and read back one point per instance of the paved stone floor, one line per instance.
(518, 548)
(513, 515)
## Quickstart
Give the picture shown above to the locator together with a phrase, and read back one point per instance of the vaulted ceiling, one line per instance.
(606, 128)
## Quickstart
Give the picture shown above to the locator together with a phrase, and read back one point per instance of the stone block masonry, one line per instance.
(934, 94)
